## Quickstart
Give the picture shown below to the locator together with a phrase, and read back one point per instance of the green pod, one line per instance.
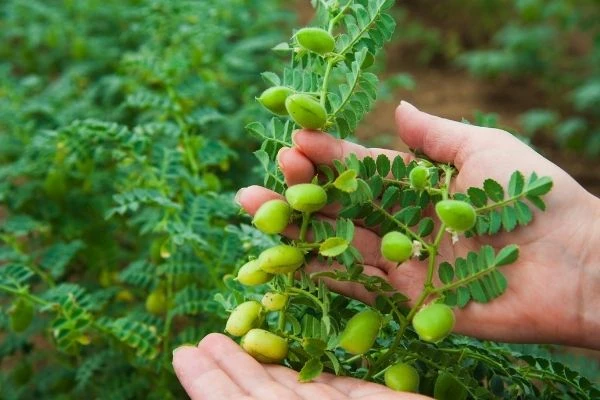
(265, 346)
(273, 99)
(306, 197)
(457, 215)
(448, 388)
(434, 322)
(156, 302)
(361, 331)
(281, 259)
(402, 377)
(419, 177)
(250, 274)
(316, 40)
(244, 317)
(21, 315)
(396, 247)
(272, 216)
(306, 111)
(273, 301)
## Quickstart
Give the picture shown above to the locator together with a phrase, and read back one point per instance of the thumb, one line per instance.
(444, 140)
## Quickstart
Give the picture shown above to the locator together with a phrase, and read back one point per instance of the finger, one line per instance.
(366, 241)
(321, 148)
(296, 167)
(444, 140)
(245, 371)
(201, 377)
(252, 197)
(307, 390)
(359, 389)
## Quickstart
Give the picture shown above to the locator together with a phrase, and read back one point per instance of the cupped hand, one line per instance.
(218, 369)
(552, 294)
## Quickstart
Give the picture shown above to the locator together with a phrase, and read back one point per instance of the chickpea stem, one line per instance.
(428, 288)
(314, 298)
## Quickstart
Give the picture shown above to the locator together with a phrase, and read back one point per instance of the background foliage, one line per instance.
(546, 52)
(121, 123)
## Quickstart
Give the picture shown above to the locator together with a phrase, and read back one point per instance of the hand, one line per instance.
(219, 369)
(553, 288)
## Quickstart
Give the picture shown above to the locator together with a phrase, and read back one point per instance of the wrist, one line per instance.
(589, 304)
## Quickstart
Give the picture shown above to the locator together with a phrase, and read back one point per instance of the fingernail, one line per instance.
(238, 195)
(175, 350)
(281, 151)
(405, 103)
(294, 137)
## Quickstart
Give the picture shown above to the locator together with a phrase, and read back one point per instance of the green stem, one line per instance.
(308, 246)
(27, 295)
(464, 281)
(325, 86)
(188, 148)
(353, 358)
(45, 276)
(499, 204)
(304, 226)
(428, 290)
(184, 129)
(168, 322)
(401, 225)
(310, 296)
(339, 16)
(405, 183)
(448, 172)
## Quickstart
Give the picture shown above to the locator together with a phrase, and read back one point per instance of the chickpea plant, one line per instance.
(284, 314)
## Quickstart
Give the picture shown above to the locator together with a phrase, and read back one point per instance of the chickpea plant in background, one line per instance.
(284, 314)
(120, 128)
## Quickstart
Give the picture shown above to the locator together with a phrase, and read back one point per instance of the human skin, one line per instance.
(553, 294)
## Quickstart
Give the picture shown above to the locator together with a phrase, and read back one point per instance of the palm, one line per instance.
(219, 369)
(548, 246)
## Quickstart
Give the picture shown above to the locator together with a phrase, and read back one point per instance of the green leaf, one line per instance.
(516, 184)
(446, 272)
(524, 214)
(335, 363)
(376, 185)
(509, 218)
(495, 222)
(462, 296)
(507, 255)
(493, 190)
(539, 186)
(370, 167)
(333, 246)
(347, 181)
(345, 228)
(383, 165)
(314, 347)
(271, 77)
(399, 168)
(537, 201)
(409, 215)
(311, 370)
(425, 227)
(477, 196)
(390, 197)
